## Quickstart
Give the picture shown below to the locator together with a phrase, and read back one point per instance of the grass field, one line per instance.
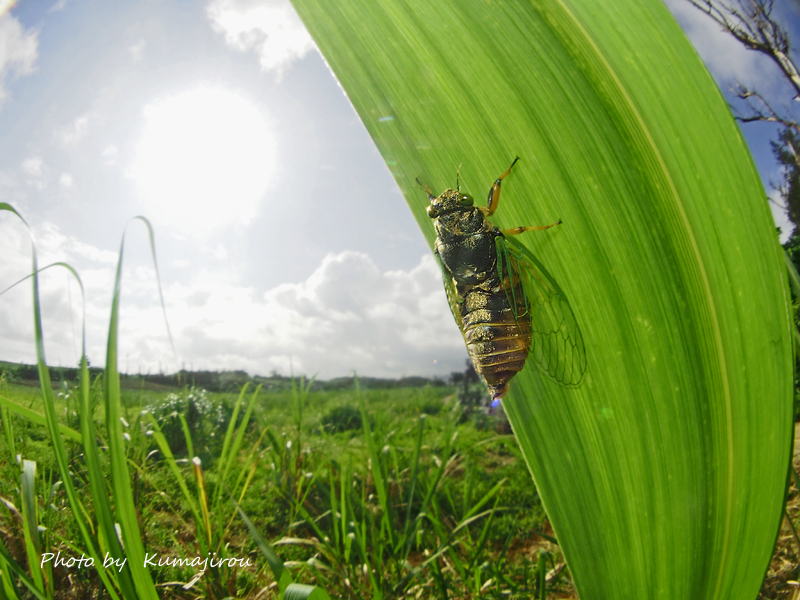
(458, 485)
(449, 488)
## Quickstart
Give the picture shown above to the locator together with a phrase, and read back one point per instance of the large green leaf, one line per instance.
(664, 473)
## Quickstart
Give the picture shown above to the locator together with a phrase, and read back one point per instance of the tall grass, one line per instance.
(396, 530)
(110, 534)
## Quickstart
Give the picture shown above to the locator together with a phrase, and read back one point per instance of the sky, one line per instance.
(283, 243)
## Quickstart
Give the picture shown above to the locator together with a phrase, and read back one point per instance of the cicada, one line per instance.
(506, 304)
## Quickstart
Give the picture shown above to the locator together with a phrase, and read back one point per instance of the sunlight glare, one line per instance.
(205, 160)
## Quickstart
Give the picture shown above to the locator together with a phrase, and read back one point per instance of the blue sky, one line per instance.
(108, 109)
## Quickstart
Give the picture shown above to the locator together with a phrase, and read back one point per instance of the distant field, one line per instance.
(213, 381)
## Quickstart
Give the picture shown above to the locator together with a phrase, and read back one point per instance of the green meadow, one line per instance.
(387, 492)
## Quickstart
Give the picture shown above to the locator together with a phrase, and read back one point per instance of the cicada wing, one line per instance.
(556, 344)
(453, 299)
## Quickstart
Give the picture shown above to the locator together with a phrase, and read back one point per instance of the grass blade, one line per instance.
(200, 478)
(230, 449)
(53, 425)
(10, 566)
(281, 573)
(34, 417)
(120, 476)
(377, 470)
(97, 485)
(187, 436)
(300, 591)
(30, 522)
(166, 452)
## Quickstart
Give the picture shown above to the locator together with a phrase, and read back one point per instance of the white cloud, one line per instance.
(7, 181)
(271, 28)
(13, 191)
(33, 166)
(71, 135)
(110, 154)
(137, 50)
(59, 5)
(65, 180)
(18, 51)
(55, 246)
(347, 316)
(779, 214)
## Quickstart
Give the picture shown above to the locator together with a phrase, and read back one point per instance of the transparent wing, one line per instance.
(453, 299)
(557, 344)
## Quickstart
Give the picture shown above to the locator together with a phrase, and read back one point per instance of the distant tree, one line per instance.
(792, 247)
(752, 23)
(787, 152)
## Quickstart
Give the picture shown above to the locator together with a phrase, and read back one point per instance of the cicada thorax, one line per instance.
(495, 319)
(497, 329)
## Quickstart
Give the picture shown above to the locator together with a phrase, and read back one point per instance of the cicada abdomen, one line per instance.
(506, 304)
(497, 329)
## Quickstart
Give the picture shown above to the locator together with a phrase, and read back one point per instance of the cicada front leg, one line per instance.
(494, 200)
(494, 193)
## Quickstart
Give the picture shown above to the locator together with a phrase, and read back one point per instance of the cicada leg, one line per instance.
(494, 193)
(518, 230)
(426, 188)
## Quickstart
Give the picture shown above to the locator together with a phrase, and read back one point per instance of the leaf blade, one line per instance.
(663, 474)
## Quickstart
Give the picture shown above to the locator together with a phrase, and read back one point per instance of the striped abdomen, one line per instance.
(498, 341)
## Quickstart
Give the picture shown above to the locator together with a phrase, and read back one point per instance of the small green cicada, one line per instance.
(504, 301)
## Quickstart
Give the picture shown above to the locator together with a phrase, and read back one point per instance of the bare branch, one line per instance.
(751, 22)
(761, 109)
(782, 191)
(790, 147)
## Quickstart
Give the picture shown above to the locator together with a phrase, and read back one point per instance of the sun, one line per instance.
(205, 159)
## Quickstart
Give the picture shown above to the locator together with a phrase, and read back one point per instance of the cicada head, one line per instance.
(449, 202)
